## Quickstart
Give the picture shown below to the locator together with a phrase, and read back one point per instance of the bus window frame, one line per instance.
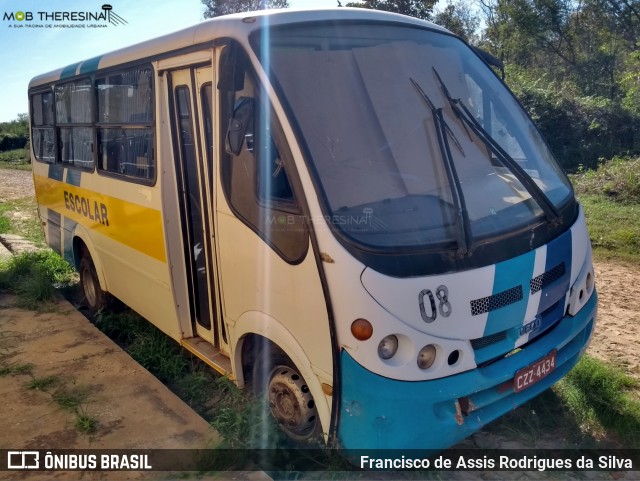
(119, 69)
(296, 208)
(59, 125)
(49, 88)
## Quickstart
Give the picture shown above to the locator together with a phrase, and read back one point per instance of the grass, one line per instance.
(617, 179)
(610, 196)
(149, 346)
(71, 399)
(603, 398)
(614, 228)
(234, 413)
(242, 420)
(595, 405)
(19, 216)
(43, 383)
(16, 370)
(84, 423)
(32, 277)
(19, 159)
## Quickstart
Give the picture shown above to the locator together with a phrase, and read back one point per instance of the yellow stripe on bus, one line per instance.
(131, 224)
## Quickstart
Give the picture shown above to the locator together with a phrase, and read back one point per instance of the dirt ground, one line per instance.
(15, 184)
(616, 337)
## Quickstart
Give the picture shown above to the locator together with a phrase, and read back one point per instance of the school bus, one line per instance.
(346, 210)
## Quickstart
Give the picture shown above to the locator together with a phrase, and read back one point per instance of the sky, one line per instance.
(27, 52)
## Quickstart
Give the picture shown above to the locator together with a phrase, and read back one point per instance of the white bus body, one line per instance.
(346, 208)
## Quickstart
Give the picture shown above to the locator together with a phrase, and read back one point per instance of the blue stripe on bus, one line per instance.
(558, 251)
(509, 274)
(377, 412)
(56, 172)
(53, 231)
(91, 65)
(74, 177)
(69, 227)
(69, 71)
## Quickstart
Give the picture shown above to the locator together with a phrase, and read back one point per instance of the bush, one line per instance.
(12, 142)
(617, 179)
(579, 130)
(32, 277)
(16, 156)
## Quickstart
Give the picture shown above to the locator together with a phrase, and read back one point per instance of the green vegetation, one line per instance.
(242, 420)
(618, 180)
(19, 216)
(19, 159)
(15, 152)
(613, 227)
(14, 134)
(215, 8)
(602, 398)
(158, 354)
(43, 383)
(85, 424)
(234, 413)
(33, 277)
(610, 196)
(145, 343)
(16, 370)
(595, 405)
(71, 399)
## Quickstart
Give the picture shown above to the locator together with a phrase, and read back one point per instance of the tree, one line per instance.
(215, 8)
(413, 8)
(460, 18)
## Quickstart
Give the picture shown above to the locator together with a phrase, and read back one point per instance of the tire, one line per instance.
(94, 297)
(277, 380)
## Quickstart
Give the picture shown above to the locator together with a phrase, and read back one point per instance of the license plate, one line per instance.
(530, 375)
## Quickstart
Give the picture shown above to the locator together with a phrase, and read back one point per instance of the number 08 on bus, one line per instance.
(345, 210)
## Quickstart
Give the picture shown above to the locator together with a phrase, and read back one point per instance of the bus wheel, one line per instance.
(288, 397)
(291, 403)
(95, 298)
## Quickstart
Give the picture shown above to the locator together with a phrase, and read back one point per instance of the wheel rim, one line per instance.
(89, 287)
(291, 403)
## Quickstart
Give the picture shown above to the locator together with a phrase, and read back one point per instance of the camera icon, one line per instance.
(23, 460)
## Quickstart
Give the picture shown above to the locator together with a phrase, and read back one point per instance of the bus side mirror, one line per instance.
(240, 127)
(232, 68)
(490, 59)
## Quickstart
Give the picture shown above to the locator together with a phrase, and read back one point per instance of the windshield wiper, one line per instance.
(466, 117)
(443, 131)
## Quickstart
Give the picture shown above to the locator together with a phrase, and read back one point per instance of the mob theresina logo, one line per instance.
(104, 15)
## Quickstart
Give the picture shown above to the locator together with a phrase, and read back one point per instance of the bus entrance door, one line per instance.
(191, 102)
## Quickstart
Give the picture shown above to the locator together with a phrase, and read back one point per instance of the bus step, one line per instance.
(209, 354)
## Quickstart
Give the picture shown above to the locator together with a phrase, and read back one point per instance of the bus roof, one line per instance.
(238, 25)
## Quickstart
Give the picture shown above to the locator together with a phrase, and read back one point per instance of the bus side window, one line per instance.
(255, 171)
(272, 181)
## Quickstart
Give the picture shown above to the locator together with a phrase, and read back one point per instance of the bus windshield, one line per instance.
(378, 108)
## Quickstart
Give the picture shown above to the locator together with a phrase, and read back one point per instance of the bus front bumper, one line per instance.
(382, 413)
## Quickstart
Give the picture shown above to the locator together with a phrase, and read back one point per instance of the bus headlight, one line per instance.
(582, 288)
(388, 347)
(427, 356)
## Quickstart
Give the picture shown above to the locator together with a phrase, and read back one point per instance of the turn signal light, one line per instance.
(361, 329)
